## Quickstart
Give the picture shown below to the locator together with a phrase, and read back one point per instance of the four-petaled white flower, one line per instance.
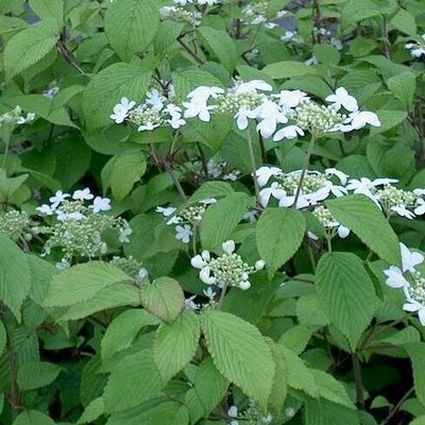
(341, 97)
(83, 195)
(184, 233)
(359, 119)
(420, 209)
(101, 204)
(121, 110)
(58, 198)
(288, 132)
(45, 209)
(410, 259)
(395, 278)
(264, 174)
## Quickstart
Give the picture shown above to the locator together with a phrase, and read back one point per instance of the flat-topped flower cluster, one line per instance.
(186, 11)
(76, 225)
(411, 278)
(16, 117)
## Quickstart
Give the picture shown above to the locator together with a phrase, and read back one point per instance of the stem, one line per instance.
(253, 166)
(194, 240)
(68, 56)
(203, 159)
(304, 170)
(223, 293)
(396, 408)
(176, 182)
(190, 51)
(358, 380)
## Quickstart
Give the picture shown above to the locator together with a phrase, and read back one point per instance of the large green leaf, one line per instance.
(240, 353)
(416, 353)
(133, 381)
(15, 275)
(403, 86)
(347, 293)
(279, 234)
(221, 219)
(131, 25)
(108, 86)
(361, 215)
(50, 11)
(322, 412)
(280, 381)
(33, 417)
(163, 298)
(288, 69)
(81, 283)
(37, 374)
(179, 338)
(27, 47)
(3, 338)
(122, 331)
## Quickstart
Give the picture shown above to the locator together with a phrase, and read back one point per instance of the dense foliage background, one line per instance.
(201, 210)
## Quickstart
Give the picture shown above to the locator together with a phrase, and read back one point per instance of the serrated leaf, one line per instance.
(92, 411)
(108, 86)
(221, 218)
(280, 380)
(403, 86)
(180, 338)
(288, 69)
(49, 10)
(82, 282)
(27, 47)
(131, 25)
(404, 22)
(133, 381)
(416, 352)
(33, 417)
(123, 329)
(215, 189)
(3, 339)
(362, 216)
(240, 353)
(15, 276)
(322, 412)
(279, 234)
(347, 293)
(163, 298)
(36, 375)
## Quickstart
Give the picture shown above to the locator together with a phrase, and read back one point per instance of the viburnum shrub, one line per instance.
(212, 212)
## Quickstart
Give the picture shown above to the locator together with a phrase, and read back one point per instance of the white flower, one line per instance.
(83, 195)
(190, 304)
(125, 232)
(121, 110)
(182, 2)
(198, 262)
(342, 98)
(410, 259)
(203, 93)
(166, 212)
(205, 276)
(101, 204)
(45, 209)
(419, 192)
(395, 278)
(259, 265)
(155, 99)
(184, 233)
(420, 209)
(402, 211)
(208, 201)
(208, 2)
(264, 174)
(270, 115)
(291, 98)
(360, 119)
(176, 122)
(197, 108)
(233, 412)
(414, 306)
(288, 132)
(242, 118)
(245, 285)
(253, 85)
(147, 126)
(58, 198)
(209, 293)
(274, 190)
(343, 231)
(228, 246)
(142, 274)
(342, 176)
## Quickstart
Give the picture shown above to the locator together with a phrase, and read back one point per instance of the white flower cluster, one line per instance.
(186, 11)
(331, 225)
(16, 117)
(228, 269)
(319, 186)
(256, 14)
(218, 169)
(417, 49)
(156, 111)
(284, 115)
(185, 219)
(17, 225)
(410, 280)
(252, 416)
(76, 225)
(132, 267)
(292, 37)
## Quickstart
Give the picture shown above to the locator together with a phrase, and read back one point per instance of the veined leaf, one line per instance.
(416, 353)
(33, 417)
(240, 353)
(37, 374)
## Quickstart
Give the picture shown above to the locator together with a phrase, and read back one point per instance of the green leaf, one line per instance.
(108, 86)
(326, 413)
(131, 25)
(122, 172)
(3, 339)
(15, 276)
(280, 380)
(36, 375)
(363, 217)
(122, 331)
(418, 421)
(133, 381)
(222, 45)
(403, 86)
(215, 189)
(33, 417)
(209, 388)
(49, 10)
(221, 219)
(163, 298)
(180, 338)
(279, 234)
(347, 293)
(81, 283)
(240, 353)
(389, 120)
(416, 352)
(27, 47)
(92, 411)
(288, 69)
(357, 10)
(10, 185)
(404, 22)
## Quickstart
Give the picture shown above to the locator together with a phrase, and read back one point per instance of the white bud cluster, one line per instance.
(186, 11)
(228, 269)
(16, 117)
(132, 267)
(220, 169)
(17, 225)
(76, 224)
(331, 225)
(257, 13)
